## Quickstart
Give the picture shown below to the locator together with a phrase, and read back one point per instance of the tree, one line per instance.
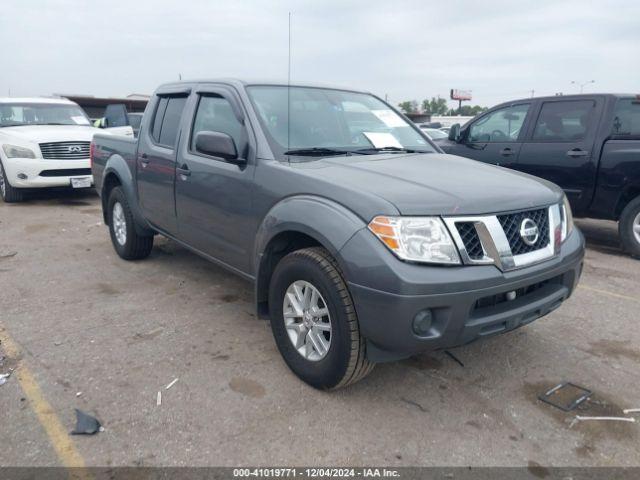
(409, 106)
(468, 110)
(435, 106)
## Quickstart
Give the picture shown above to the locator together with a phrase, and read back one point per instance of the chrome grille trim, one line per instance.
(496, 247)
(65, 150)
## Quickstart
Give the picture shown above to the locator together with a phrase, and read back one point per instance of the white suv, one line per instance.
(44, 142)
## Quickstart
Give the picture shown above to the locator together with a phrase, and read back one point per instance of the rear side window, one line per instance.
(215, 114)
(166, 121)
(626, 118)
(171, 121)
(157, 118)
(564, 121)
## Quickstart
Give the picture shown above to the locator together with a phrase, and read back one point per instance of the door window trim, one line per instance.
(503, 107)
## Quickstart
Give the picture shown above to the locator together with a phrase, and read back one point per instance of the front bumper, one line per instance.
(466, 302)
(43, 173)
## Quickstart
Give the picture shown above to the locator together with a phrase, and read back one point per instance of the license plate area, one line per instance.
(83, 182)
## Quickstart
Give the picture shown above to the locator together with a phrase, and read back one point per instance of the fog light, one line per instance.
(422, 322)
(22, 176)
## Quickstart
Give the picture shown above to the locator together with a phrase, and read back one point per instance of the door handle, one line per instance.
(506, 152)
(577, 152)
(144, 160)
(183, 171)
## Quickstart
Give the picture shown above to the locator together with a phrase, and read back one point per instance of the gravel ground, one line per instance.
(118, 332)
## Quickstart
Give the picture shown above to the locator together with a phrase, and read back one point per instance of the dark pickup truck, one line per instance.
(587, 144)
(365, 243)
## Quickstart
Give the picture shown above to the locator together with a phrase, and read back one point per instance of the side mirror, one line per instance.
(454, 133)
(217, 144)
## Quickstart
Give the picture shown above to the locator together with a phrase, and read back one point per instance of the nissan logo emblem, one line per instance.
(529, 232)
(74, 149)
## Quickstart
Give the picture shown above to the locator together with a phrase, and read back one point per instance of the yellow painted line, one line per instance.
(610, 294)
(58, 435)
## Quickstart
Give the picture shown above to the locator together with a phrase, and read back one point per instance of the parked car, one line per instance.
(587, 144)
(44, 142)
(118, 121)
(365, 243)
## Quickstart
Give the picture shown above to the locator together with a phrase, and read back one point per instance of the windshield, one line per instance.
(434, 133)
(325, 120)
(15, 114)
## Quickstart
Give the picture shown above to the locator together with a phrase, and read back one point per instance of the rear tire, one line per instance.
(128, 244)
(8, 193)
(344, 361)
(629, 228)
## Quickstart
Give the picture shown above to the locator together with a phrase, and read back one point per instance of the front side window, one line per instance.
(563, 121)
(307, 118)
(17, 114)
(503, 125)
(626, 118)
(215, 114)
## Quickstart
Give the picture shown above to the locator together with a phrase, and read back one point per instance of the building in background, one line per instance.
(94, 107)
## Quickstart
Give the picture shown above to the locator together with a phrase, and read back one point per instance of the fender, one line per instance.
(117, 165)
(328, 222)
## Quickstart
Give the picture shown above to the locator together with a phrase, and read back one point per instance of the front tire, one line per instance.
(314, 322)
(8, 193)
(126, 241)
(629, 228)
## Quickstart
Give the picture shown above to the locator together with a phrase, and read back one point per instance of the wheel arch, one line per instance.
(295, 223)
(628, 195)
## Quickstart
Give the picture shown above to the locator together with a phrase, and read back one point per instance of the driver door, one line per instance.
(495, 137)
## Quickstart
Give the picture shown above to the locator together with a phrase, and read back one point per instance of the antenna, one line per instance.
(289, 91)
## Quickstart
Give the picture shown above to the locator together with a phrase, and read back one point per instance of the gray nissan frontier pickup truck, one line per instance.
(364, 241)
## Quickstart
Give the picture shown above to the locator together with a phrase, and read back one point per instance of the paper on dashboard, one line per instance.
(382, 139)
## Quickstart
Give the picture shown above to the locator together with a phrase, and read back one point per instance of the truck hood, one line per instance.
(48, 133)
(437, 184)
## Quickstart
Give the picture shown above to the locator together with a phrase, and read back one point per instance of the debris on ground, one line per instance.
(454, 358)
(580, 418)
(78, 394)
(8, 255)
(4, 377)
(566, 396)
(631, 410)
(159, 399)
(86, 424)
(171, 384)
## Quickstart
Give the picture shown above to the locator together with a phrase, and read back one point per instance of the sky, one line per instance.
(499, 50)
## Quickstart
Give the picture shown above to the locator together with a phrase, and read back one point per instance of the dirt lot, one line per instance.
(75, 318)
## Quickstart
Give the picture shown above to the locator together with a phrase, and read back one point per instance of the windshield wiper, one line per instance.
(374, 150)
(317, 151)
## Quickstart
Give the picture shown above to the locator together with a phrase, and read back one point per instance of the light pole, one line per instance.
(582, 84)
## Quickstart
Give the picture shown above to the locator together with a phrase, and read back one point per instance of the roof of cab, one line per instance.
(241, 83)
(39, 100)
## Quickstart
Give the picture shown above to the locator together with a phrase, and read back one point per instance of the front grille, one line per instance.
(471, 240)
(65, 150)
(512, 222)
(66, 172)
(499, 298)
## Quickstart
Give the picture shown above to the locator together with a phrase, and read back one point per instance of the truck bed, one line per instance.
(107, 146)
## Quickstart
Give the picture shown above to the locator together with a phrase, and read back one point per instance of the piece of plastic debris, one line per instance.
(159, 399)
(85, 424)
(631, 410)
(78, 394)
(171, 384)
(454, 358)
(4, 377)
(613, 419)
(566, 396)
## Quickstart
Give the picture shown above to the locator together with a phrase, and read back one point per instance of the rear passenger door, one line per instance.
(559, 146)
(213, 195)
(156, 162)
(495, 137)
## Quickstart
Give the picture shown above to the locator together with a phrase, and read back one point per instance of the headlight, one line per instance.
(13, 151)
(567, 219)
(416, 239)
